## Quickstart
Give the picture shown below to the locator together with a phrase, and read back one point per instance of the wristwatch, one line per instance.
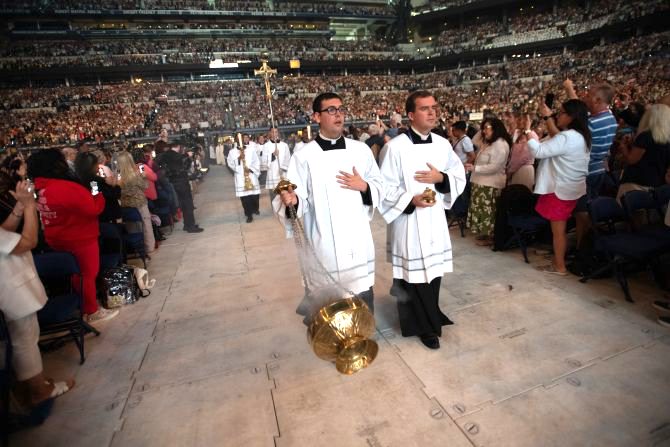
(546, 118)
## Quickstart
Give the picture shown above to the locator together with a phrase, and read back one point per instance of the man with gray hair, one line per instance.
(603, 126)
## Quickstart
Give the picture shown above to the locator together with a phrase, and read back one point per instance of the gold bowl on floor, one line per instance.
(340, 332)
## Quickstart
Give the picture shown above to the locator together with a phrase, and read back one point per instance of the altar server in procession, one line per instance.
(338, 187)
(246, 166)
(277, 156)
(418, 233)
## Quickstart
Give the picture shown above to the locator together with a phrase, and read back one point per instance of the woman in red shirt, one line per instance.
(69, 214)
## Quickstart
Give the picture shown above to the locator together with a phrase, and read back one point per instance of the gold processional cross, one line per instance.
(267, 73)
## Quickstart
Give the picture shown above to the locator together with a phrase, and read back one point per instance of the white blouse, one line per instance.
(563, 166)
(21, 291)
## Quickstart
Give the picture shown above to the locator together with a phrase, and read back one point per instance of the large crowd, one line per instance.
(207, 5)
(530, 26)
(534, 25)
(24, 55)
(32, 116)
(607, 134)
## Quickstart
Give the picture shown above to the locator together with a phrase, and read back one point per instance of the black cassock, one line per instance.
(418, 307)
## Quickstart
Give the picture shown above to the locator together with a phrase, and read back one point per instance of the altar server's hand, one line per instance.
(352, 181)
(289, 197)
(419, 202)
(432, 177)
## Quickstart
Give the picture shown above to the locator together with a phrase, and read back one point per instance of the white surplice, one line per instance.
(276, 168)
(253, 164)
(418, 244)
(261, 155)
(336, 222)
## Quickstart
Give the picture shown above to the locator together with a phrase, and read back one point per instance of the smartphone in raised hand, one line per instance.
(549, 99)
(94, 188)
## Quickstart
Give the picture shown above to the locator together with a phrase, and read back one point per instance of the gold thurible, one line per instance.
(340, 331)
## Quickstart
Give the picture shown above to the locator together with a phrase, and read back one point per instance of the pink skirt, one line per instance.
(554, 209)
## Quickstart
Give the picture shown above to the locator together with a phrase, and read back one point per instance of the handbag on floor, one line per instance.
(121, 286)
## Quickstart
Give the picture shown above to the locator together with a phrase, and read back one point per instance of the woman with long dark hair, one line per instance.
(69, 214)
(88, 169)
(561, 174)
(488, 179)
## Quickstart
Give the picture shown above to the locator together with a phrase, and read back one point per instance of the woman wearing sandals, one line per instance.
(561, 174)
(488, 179)
(21, 296)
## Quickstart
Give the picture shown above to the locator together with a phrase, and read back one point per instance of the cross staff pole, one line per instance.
(266, 72)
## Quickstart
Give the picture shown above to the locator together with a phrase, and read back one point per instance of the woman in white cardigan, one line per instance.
(561, 174)
(488, 179)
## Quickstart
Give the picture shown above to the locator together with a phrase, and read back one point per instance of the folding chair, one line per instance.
(458, 214)
(133, 237)
(625, 249)
(111, 246)
(639, 205)
(161, 208)
(662, 196)
(516, 212)
(61, 318)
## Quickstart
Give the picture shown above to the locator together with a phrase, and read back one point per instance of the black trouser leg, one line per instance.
(257, 199)
(248, 204)
(418, 308)
(369, 298)
(186, 204)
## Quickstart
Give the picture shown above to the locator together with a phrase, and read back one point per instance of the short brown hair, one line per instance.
(410, 104)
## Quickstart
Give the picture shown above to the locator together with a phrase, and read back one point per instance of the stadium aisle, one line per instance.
(216, 355)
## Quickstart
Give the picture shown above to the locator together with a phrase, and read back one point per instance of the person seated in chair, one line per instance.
(21, 296)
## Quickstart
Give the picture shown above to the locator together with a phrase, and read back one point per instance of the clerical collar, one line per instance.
(329, 144)
(417, 138)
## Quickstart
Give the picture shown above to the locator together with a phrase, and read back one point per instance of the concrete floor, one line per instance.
(216, 356)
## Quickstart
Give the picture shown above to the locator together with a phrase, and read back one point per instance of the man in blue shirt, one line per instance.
(603, 126)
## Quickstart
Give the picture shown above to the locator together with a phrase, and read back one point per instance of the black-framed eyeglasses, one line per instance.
(332, 110)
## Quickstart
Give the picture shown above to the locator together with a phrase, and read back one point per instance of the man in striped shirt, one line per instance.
(602, 125)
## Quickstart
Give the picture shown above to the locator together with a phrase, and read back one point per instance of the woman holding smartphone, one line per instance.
(69, 214)
(88, 169)
(561, 174)
(133, 184)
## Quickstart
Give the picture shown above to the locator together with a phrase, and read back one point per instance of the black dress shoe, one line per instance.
(430, 341)
(250, 219)
(194, 230)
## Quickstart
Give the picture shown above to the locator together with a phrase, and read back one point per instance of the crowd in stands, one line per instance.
(24, 55)
(212, 5)
(535, 25)
(607, 134)
(110, 111)
(431, 5)
(330, 8)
